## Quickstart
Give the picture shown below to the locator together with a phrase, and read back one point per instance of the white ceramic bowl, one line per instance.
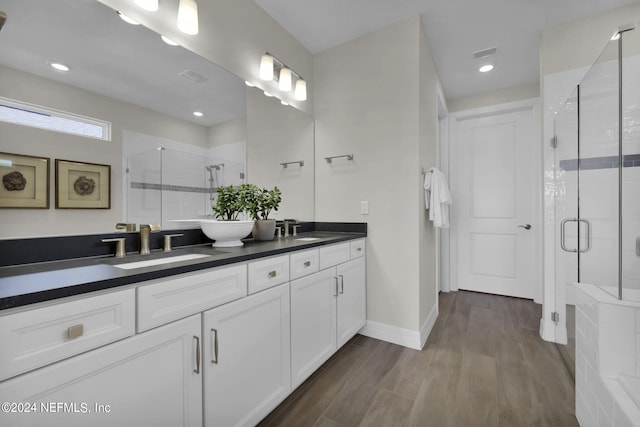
(226, 233)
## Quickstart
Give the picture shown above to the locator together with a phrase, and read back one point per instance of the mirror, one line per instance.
(148, 90)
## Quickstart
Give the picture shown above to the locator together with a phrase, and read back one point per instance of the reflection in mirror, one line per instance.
(281, 153)
(147, 89)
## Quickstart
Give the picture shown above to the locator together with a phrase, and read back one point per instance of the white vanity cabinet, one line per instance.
(246, 358)
(327, 308)
(153, 379)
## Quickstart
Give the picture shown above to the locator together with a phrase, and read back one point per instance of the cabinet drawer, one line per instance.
(37, 337)
(166, 300)
(304, 262)
(357, 248)
(267, 273)
(334, 255)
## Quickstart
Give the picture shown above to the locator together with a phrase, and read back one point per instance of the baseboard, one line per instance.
(427, 326)
(401, 336)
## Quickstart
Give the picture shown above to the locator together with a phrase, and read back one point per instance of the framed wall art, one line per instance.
(82, 185)
(25, 181)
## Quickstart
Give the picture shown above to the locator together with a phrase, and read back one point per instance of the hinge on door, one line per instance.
(554, 141)
(555, 317)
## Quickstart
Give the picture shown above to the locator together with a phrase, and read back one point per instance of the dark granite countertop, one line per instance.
(31, 283)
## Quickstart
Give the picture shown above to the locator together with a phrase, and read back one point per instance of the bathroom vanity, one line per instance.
(218, 339)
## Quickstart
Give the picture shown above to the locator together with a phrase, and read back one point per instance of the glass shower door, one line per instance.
(599, 172)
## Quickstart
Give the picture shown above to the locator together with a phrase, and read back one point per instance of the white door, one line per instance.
(352, 300)
(313, 323)
(247, 369)
(494, 203)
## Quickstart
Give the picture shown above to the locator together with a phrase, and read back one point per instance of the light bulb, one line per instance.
(266, 67)
(301, 90)
(150, 5)
(188, 17)
(284, 81)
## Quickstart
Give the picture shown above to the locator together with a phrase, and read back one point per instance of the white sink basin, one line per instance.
(308, 239)
(159, 261)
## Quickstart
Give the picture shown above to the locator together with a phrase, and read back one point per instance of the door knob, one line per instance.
(526, 227)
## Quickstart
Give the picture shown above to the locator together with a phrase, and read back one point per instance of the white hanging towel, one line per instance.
(437, 197)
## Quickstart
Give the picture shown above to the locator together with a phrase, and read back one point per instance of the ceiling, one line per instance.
(454, 28)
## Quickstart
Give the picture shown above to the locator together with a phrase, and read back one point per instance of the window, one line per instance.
(21, 113)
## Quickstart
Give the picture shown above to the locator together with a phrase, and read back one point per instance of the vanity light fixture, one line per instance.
(266, 67)
(59, 66)
(188, 17)
(150, 5)
(271, 68)
(168, 41)
(284, 81)
(126, 19)
(198, 113)
(301, 90)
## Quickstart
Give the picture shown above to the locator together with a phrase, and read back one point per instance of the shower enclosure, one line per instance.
(164, 186)
(597, 231)
(597, 175)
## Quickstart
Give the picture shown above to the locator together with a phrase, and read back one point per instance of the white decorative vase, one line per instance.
(227, 234)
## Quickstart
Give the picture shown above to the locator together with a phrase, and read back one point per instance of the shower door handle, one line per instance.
(587, 235)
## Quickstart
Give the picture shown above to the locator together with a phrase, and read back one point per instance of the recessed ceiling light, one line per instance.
(485, 68)
(168, 41)
(198, 113)
(59, 66)
(126, 19)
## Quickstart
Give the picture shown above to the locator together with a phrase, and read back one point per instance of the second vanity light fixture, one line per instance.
(271, 68)
(187, 14)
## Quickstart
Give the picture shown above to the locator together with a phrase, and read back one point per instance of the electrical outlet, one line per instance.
(364, 208)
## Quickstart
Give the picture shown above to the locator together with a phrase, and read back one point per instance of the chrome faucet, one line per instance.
(145, 230)
(288, 222)
(126, 226)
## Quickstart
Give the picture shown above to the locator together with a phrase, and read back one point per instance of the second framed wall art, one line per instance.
(82, 185)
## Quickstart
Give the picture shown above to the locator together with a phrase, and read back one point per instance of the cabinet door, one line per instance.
(247, 358)
(313, 323)
(150, 379)
(352, 299)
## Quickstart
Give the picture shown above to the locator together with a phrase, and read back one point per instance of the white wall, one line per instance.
(37, 142)
(360, 110)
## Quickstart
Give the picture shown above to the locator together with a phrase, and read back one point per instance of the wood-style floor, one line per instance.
(484, 365)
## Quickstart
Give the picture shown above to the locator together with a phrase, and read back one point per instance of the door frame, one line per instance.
(532, 105)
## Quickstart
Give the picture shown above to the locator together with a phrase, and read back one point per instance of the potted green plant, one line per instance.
(227, 229)
(260, 203)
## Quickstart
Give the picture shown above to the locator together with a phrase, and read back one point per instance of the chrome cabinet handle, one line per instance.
(336, 294)
(197, 369)
(214, 359)
(526, 226)
(341, 283)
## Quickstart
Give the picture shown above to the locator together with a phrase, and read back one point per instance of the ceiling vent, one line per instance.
(192, 76)
(485, 52)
